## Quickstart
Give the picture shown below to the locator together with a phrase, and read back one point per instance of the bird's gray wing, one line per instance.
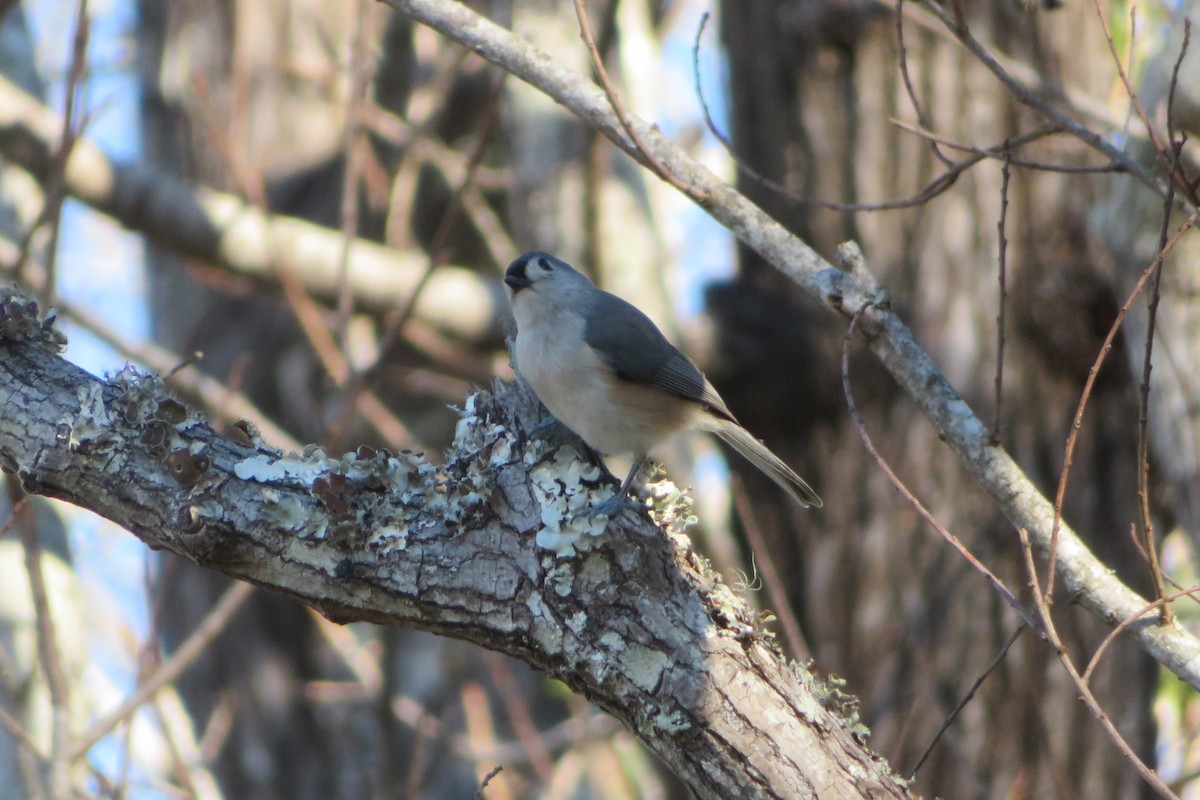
(637, 352)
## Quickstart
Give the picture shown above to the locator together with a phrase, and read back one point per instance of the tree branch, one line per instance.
(225, 231)
(1086, 579)
(633, 619)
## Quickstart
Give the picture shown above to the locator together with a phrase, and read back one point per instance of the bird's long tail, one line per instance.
(771, 465)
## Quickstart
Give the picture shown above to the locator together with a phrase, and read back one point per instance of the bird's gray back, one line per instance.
(637, 351)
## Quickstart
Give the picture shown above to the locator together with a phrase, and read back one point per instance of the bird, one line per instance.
(606, 371)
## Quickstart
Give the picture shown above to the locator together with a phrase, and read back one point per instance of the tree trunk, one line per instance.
(879, 598)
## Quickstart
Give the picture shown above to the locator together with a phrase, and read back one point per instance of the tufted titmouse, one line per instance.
(608, 373)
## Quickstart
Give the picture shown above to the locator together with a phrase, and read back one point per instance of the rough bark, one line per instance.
(637, 623)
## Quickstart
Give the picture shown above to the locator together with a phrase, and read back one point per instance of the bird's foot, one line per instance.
(551, 426)
(544, 427)
(613, 506)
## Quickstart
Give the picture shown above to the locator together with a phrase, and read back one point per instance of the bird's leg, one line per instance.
(546, 428)
(638, 463)
(543, 427)
(613, 505)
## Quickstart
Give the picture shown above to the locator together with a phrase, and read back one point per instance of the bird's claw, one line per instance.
(544, 427)
(613, 506)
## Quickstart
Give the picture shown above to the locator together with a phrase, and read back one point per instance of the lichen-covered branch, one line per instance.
(1087, 580)
(625, 614)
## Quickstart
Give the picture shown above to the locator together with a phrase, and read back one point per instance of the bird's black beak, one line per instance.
(515, 277)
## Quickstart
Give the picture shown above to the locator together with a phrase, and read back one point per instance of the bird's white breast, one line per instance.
(579, 388)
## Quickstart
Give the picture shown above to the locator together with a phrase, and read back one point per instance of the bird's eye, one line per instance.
(545, 265)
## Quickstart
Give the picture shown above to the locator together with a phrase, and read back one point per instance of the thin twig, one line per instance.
(1179, 166)
(646, 154)
(1001, 278)
(353, 145)
(1085, 692)
(1089, 384)
(593, 156)
(481, 730)
(1162, 602)
(935, 187)
(1178, 178)
(488, 779)
(1004, 151)
(1143, 443)
(21, 736)
(419, 755)
(563, 735)
(49, 654)
(966, 698)
(188, 760)
(414, 137)
(1036, 101)
(192, 648)
(15, 729)
(56, 187)
(910, 90)
(1123, 74)
(925, 514)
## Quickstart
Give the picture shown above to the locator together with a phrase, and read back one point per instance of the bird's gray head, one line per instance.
(535, 269)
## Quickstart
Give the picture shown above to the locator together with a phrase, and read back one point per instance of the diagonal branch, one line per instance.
(1086, 579)
(634, 620)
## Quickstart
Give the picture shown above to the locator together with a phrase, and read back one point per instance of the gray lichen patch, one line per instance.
(368, 496)
(268, 469)
(644, 666)
(92, 421)
(21, 321)
(562, 488)
(287, 512)
(670, 507)
(141, 395)
(565, 488)
(559, 576)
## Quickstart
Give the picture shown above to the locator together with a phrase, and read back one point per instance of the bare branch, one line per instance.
(966, 698)
(1002, 280)
(50, 657)
(1034, 100)
(1084, 576)
(192, 648)
(226, 231)
(644, 153)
